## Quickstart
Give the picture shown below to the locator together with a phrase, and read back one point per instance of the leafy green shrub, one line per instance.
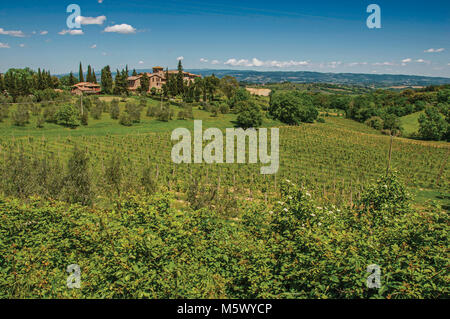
(134, 111)
(21, 116)
(375, 122)
(97, 110)
(4, 111)
(68, 115)
(240, 95)
(322, 252)
(114, 109)
(248, 114)
(165, 114)
(152, 111)
(125, 119)
(78, 178)
(147, 182)
(143, 247)
(292, 107)
(388, 196)
(224, 108)
(432, 124)
(84, 119)
(40, 122)
(50, 112)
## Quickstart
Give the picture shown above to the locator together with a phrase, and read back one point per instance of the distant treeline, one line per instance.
(377, 80)
(23, 82)
(382, 109)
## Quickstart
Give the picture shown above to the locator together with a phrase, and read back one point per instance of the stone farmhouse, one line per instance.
(86, 88)
(158, 78)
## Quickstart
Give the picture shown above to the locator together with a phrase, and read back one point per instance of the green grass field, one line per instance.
(335, 158)
(410, 123)
(107, 126)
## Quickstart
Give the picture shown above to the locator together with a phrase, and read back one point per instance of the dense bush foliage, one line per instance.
(145, 248)
(68, 115)
(293, 107)
(21, 116)
(390, 106)
(433, 125)
(375, 122)
(248, 114)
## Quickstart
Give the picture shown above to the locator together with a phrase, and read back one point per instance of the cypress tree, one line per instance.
(94, 77)
(46, 80)
(145, 84)
(134, 72)
(72, 79)
(124, 81)
(24, 87)
(40, 83)
(107, 81)
(180, 83)
(2, 83)
(89, 74)
(81, 73)
(116, 83)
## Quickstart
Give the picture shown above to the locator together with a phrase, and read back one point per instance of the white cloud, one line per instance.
(270, 63)
(93, 46)
(100, 1)
(90, 20)
(141, 62)
(4, 46)
(257, 62)
(43, 32)
(407, 60)
(382, 63)
(203, 60)
(281, 64)
(434, 50)
(235, 62)
(104, 53)
(22, 45)
(180, 58)
(334, 64)
(18, 34)
(422, 61)
(215, 62)
(72, 32)
(121, 28)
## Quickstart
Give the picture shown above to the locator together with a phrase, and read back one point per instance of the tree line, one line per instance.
(382, 109)
(23, 82)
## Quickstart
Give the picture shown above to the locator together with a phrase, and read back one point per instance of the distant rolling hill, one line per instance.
(262, 77)
(379, 80)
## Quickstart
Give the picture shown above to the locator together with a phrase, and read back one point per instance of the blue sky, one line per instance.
(324, 36)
